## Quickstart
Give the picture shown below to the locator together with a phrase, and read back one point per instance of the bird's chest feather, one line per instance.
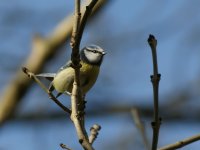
(89, 74)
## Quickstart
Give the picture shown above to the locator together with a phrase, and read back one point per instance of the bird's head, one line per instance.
(92, 54)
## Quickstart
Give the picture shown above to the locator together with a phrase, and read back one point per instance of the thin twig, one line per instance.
(94, 131)
(181, 143)
(51, 96)
(140, 126)
(63, 146)
(87, 13)
(77, 20)
(155, 78)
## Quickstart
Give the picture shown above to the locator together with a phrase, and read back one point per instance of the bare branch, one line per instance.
(77, 19)
(51, 96)
(94, 131)
(63, 146)
(181, 143)
(77, 118)
(77, 100)
(87, 13)
(155, 78)
(140, 126)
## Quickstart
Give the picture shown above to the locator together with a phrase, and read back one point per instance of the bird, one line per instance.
(91, 58)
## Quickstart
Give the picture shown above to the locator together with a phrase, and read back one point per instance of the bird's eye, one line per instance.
(94, 51)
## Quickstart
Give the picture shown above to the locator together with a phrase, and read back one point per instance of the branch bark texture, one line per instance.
(77, 99)
(155, 78)
(181, 143)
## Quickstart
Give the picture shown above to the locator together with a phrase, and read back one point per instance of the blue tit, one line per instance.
(62, 81)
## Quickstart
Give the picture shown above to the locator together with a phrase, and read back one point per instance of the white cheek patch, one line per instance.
(97, 57)
(93, 57)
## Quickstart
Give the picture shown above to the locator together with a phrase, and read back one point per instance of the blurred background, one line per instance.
(122, 29)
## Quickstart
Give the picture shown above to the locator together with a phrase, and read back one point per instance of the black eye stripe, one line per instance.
(94, 51)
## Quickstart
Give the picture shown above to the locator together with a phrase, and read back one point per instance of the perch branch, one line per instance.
(155, 78)
(87, 13)
(51, 96)
(77, 100)
(181, 143)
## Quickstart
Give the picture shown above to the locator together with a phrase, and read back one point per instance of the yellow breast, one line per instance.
(63, 81)
(89, 74)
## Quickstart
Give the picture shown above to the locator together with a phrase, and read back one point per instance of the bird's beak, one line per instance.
(104, 53)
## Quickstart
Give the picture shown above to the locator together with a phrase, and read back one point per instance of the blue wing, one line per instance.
(50, 76)
(68, 64)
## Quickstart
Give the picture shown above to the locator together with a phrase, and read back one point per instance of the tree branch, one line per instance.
(155, 78)
(181, 143)
(77, 100)
(87, 13)
(140, 126)
(94, 131)
(51, 96)
(63, 146)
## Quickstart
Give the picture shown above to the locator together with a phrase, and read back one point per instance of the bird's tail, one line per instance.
(48, 76)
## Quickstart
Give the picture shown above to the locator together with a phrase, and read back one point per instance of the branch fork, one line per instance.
(77, 100)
